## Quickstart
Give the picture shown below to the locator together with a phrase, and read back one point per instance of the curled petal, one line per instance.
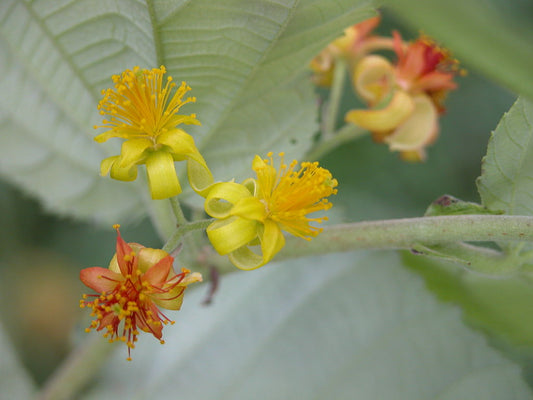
(101, 280)
(162, 177)
(223, 196)
(418, 130)
(183, 148)
(132, 152)
(386, 119)
(229, 234)
(250, 208)
(111, 166)
(373, 78)
(244, 258)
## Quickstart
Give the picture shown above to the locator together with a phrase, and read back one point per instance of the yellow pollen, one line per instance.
(142, 103)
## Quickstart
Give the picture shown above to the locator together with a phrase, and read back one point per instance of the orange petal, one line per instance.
(100, 279)
(158, 274)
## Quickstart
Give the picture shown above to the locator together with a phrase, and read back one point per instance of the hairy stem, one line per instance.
(183, 230)
(404, 233)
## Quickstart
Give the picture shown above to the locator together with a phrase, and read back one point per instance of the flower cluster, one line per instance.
(137, 282)
(254, 212)
(248, 218)
(405, 97)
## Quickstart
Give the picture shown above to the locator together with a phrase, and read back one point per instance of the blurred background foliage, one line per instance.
(41, 254)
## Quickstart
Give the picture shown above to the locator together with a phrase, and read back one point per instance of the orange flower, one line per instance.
(137, 282)
(405, 98)
(425, 67)
(355, 43)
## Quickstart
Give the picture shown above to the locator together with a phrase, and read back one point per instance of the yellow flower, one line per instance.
(255, 212)
(143, 111)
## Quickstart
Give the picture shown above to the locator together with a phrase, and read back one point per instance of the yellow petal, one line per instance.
(418, 130)
(373, 78)
(148, 257)
(386, 119)
(272, 240)
(250, 208)
(244, 258)
(223, 196)
(183, 148)
(229, 234)
(132, 151)
(162, 177)
(111, 166)
(106, 164)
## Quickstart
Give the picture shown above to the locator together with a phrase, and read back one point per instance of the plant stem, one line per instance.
(176, 237)
(335, 95)
(346, 134)
(178, 212)
(404, 233)
(80, 367)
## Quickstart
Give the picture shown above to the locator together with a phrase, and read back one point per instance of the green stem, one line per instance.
(183, 230)
(78, 369)
(404, 233)
(178, 212)
(335, 95)
(346, 134)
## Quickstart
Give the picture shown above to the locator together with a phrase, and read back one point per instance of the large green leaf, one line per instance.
(500, 307)
(351, 326)
(244, 60)
(493, 36)
(14, 380)
(506, 182)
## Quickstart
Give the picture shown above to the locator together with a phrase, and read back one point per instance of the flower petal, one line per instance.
(132, 152)
(99, 279)
(111, 165)
(272, 240)
(223, 196)
(162, 177)
(418, 130)
(149, 257)
(373, 78)
(388, 118)
(250, 208)
(158, 273)
(231, 233)
(244, 258)
(183, 148)
(125, 256)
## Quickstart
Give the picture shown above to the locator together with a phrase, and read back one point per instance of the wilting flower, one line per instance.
(137, 283)
(354, 44)
(255, 212)
(405, 98)
(143, 110)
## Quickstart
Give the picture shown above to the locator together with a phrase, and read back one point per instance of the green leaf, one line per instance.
(245, 61)
(490, 35)
(14, 380)
(501, 307)
(506, 182)
(350, 326)
(449, 205)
